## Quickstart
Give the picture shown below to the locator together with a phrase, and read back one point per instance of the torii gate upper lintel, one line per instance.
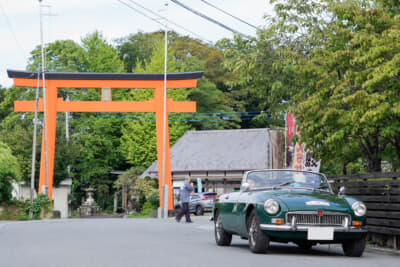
(55, 80)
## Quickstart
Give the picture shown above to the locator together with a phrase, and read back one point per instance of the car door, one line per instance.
(240, 211)
(194, 199)
(228, 210)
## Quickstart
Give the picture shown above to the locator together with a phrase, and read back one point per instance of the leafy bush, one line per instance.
(154, 200)
(41, 203)
(147, 207)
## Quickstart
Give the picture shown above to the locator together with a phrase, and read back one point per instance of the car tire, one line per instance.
(354, 248)
(222, 238)
(199, 211)
(258, 240)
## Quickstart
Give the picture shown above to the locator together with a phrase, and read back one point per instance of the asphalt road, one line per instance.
(153, 242)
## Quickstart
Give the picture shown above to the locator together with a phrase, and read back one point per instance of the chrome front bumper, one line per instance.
(304, 228)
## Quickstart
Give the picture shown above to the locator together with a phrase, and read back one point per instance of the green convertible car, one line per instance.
(290, 206)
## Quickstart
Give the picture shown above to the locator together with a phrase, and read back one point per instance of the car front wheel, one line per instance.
(222, 238)
(354, 248)
(258, 241)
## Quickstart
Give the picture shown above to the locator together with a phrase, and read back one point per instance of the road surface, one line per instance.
(153, 242)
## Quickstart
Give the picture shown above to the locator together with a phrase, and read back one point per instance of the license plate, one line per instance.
(320, 233)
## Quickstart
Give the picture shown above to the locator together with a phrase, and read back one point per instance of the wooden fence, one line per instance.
(381, 194)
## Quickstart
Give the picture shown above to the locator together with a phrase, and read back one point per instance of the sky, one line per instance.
(74, 19)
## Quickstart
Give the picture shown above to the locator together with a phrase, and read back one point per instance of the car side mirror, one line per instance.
(245, 187)
(342, 191)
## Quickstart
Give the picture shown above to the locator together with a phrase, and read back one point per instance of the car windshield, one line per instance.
(287, 178)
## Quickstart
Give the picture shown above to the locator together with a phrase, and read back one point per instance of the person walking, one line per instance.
(186, 190)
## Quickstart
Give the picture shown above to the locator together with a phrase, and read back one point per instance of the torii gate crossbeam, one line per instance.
(56, 80)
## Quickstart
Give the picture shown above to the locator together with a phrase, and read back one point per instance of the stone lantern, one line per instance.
(89, 207)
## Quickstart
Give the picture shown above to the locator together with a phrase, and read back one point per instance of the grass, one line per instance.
(12, 212)
(143, 214)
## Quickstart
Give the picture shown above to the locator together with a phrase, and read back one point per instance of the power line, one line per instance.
(219, 112)
(144, 14)
(171, 22)
(208, 18)
(12, 30)
(188, 117)
(233, 16)
(187, 120)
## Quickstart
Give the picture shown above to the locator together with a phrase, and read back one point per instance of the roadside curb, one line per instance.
(383, 250)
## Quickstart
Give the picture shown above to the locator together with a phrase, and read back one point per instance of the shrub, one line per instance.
(147, 207)
(41, 203)
(154, 200)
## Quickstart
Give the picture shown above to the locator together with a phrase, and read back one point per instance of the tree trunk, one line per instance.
(370, 149)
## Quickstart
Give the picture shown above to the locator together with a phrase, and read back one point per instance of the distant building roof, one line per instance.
(219, 150)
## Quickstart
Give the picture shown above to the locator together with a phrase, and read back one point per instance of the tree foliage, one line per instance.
(335, 65)
(9, 170)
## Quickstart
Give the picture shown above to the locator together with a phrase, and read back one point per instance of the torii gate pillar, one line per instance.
(55, 80)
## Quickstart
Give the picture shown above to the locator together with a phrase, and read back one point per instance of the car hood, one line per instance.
(308, 200)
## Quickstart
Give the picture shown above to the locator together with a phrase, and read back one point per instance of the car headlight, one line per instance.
(359, 208)
(271, 206)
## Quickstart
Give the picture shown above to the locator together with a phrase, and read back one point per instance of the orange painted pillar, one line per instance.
(158, 95)
(51, 118)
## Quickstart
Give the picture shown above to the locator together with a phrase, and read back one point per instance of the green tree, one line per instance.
(137, 48)
(138, 141)
(125, 182)
(61, 56)
(99, 55)
(334, 64)
(16, 129)
(3, 113)
(9, 170)
(211, 93)
(218, 114)
(350, 93)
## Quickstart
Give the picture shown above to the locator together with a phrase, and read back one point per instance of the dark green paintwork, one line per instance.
(235, 207)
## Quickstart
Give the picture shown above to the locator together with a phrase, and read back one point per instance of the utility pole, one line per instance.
(34, 144)
(44, 189)
(67, 134)
(164, 208)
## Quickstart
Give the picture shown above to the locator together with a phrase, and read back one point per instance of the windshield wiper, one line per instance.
(323, 188)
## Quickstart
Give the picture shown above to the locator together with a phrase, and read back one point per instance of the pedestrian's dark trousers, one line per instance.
(184, 210)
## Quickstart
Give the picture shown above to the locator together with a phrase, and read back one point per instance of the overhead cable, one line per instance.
(144, 14)
(12, 30)
(208, 18)
(233, 16)
(169, 21)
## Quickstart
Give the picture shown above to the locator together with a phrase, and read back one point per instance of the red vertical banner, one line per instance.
(298, 157)
(290, 131)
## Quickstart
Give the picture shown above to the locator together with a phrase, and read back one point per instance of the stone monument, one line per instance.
(89, 207)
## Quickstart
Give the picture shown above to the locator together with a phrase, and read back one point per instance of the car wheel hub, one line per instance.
(218, 226)
(253, 231)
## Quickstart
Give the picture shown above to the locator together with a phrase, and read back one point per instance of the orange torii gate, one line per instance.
(55, 80)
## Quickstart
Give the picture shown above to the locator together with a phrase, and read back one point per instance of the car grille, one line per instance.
(312, 218)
